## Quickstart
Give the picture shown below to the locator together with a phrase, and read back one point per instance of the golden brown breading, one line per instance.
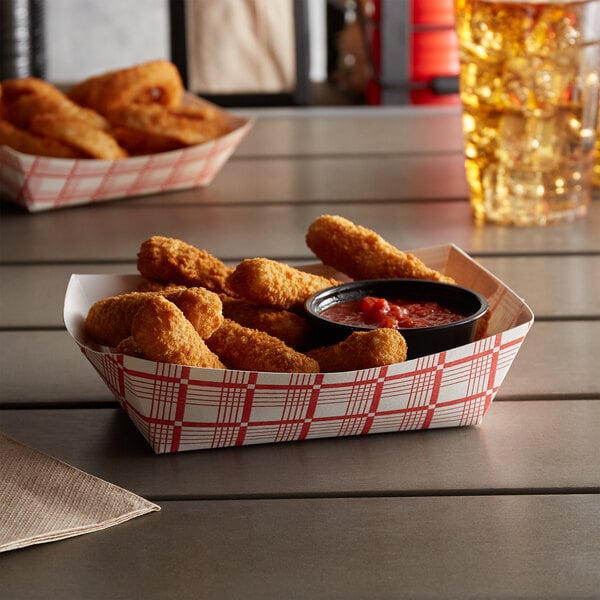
(201, 307)
(156, 81)
(129, 346)
(162, 333)
(139, 143)
(26, 97)
(248, 349)
(361, 253)
(186, 125)
(169, 260)
(289, 327)
(28, 143)
(362, 350)
(79, 134)
(267, 282)
(109, 320)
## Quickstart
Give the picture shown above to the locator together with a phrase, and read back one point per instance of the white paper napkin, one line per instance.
(43, 499)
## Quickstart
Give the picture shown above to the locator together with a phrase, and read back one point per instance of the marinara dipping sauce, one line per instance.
(371, 311)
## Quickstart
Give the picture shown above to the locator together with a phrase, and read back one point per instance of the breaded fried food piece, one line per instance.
(139, 143)
(248, 349)
(169, 260)
(79, 134)
(361, 253)
(289, 327)
(129, 346)
(362, 350)
(267, 282)
(28, 143)
(162, 333)
(24, 98)
(156, 81)
(183, 124)
(201, 307)
(109, 320)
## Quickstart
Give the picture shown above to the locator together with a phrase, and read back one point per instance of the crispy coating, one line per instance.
(110, 320)
(156, 81)
(28, 143)
(24, 98)
(139, 110)
(162, 333)
(362, 350)
(289, 327)
(361, 253)
(248, 349)
(201, 307)
(139, 143)
(168, 260)
(129, 346)
(185, 125)
(267, 282)
(74, 132)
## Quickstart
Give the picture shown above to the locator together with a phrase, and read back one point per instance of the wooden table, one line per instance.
(507, 509)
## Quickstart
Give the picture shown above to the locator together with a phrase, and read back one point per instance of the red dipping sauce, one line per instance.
(380, 312)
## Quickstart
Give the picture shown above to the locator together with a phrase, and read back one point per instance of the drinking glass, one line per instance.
(529, 84)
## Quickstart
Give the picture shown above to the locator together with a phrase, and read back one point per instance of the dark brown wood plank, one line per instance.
(352, 131)
(533, 447)
(553, 286)
(114, 231)
(558, 358)
(537, 547)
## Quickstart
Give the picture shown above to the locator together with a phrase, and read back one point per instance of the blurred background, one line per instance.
(246, 52)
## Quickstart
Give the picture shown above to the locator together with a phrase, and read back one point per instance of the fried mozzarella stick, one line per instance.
(162, 333)
(248, 349)
(363, 254)
(109, 320)
(267, 282)
(168, 260)
(289, 327)
(129, 346)
(362, 350)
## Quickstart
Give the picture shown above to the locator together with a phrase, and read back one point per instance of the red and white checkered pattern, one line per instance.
(180, 408)
(39, 183)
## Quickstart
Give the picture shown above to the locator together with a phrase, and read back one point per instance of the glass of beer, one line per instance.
(529, 84)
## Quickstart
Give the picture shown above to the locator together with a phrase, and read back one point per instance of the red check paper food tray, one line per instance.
(180, 408)
(39, 183)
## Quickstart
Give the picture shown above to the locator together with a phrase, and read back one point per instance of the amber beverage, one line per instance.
(529, 85)
(596, 176)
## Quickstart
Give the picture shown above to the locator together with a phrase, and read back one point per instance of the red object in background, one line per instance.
(434, 54)
(433, 49)
(430, 52)
(433, 12)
